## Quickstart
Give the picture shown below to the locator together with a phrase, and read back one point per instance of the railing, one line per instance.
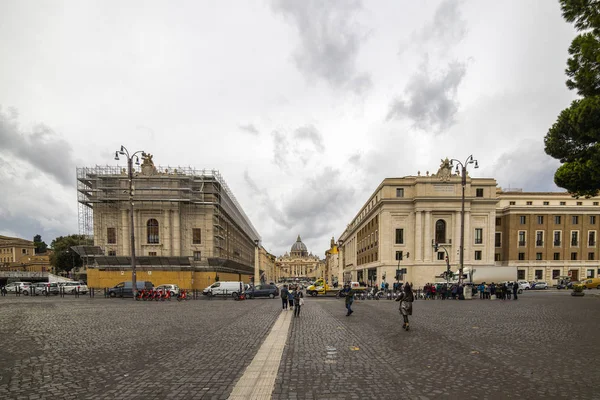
(521, 243)
(539, 243)
(557, 242)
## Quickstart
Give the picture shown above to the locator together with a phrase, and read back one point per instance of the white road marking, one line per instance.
(258, 380)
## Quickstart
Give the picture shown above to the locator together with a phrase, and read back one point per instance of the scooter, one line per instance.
(182, 295)
(139, 295)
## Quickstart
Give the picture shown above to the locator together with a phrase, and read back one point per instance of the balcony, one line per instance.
(574, 243)
(521, 243)
(557, 242)
(592, 243)
(539, 243)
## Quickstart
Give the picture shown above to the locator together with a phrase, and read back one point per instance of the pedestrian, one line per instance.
(284, 297)
(406, 299)
(298, 301)
(349, 298)
(515, 289)
(291, 297)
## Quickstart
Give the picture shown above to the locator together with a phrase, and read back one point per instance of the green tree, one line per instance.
(64, 258)
(574, 139)
(40, 247)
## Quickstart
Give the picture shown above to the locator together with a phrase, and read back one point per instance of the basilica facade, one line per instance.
(299, 263)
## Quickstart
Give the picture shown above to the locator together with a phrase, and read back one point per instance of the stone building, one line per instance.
(331, 266)
(545, 235)
(186, 221)
(299, 263)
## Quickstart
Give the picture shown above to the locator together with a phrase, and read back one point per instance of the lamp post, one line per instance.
(125, 152)
(256, 262)
(463, 172)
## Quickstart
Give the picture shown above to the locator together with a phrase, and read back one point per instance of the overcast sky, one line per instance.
(303, 106)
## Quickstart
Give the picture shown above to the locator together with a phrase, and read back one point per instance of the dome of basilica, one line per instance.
(299, 246)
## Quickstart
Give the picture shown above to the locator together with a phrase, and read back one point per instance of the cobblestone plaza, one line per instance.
(542, 346)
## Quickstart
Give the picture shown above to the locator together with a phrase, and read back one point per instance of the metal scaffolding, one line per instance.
(183, 188)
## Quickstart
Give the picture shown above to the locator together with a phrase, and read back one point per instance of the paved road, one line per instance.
(542, 345)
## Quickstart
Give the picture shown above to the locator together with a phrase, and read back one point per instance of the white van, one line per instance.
(224, 288)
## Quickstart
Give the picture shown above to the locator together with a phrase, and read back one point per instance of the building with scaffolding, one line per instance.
(187, 221)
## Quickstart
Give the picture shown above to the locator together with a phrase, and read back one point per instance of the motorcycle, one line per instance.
(139, 295)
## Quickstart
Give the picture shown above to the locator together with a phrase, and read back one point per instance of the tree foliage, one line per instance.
(574, 139)
(40, 246)
(64, 258)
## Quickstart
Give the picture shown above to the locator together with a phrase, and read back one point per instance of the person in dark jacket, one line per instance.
(298, 300)
(515, 289)
(284, 297)
(406, 299)
(348, 298)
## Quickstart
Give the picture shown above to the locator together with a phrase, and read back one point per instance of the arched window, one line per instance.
(152, 228)
(440, 231)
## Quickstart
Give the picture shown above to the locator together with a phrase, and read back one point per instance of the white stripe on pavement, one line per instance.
(258, 380)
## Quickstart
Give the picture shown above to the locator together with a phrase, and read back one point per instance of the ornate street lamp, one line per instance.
(463, 172)
(125, 152)
(256, 263)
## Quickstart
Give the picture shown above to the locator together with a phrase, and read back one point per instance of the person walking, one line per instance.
(515, 289)
(284, 297)
(291, 297)
(298, 301)
(349, 298)
(406, 299)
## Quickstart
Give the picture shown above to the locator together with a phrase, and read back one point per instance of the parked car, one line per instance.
(263, 290)
(540, 285)
(224, 288)
(14, 287)
(43, 288)
(509, 285)
(524, 285)
(71, 287)
(173, 289)
(590, 283)
(125, 289)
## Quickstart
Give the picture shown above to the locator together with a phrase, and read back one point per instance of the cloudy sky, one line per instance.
(303, 106)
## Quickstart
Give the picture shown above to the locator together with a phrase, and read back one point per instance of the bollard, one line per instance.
(18, 291)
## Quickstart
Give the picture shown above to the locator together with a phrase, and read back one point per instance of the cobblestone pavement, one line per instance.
(111, 348)
(543, 345)
(539, 346)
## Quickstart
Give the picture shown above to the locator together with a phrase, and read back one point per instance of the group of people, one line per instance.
(502, 291)
(442, 291)
(293, 297)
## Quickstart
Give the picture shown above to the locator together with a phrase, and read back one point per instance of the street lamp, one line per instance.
(256, 261)
(125, 152)
(463, 172)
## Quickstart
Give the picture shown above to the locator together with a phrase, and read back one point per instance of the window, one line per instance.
(512, 203)
(591, 256)
(557, 219)
(197, 255)
(152, 231)
(399, 255)
(539, 238)
(477, 254)
(441, 255)
(539, 274)
(575, 219)
(399, 192)
(592, 220)
(497, 257)
(556, 256)
(521, 256)
(538, 256)
(478, 235)
(591, 238)
(574, 256)
(555, 273)
(540, 219)
(596, 203)
(498, 239)
(523, 219)
(521, 274)
(529, 203)
(152, 253)
(399, 236)
(23, 251)
(579, 203)
(479, 192)
(574, 238)
(557, 238)
(440, 231)
(196, 236)
(521, 238)
(590, 273)
(111, 235)
(546, 203)
(563, 203)
(498, 221)
(112, 253)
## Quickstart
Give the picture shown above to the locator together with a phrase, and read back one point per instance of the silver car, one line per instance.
(23, 287)
(540, 285)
